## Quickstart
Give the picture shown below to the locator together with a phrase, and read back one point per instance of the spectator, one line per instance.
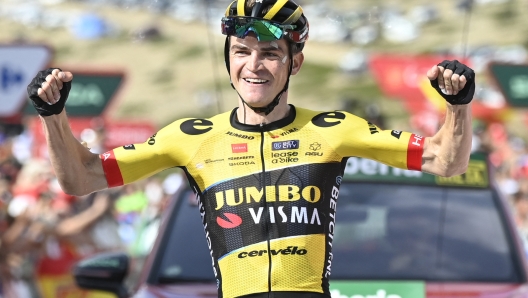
(520, 201)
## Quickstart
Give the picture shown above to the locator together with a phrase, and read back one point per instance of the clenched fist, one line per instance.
(49, 90)
(454, 81)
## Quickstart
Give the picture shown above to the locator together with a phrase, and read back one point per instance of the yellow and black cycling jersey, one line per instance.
(267, 193)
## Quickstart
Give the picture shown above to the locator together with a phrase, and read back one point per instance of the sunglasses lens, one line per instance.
(265, 31)
(241, 27)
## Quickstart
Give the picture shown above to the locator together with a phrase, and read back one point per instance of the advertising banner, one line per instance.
(378, 289)
(404, 77)
(91, 93)
(18, 66)
(512, 80)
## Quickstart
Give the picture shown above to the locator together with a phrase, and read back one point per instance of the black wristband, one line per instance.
(42, 107)
(465, 95)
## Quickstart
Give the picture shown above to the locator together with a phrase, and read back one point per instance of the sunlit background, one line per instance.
(171, 51)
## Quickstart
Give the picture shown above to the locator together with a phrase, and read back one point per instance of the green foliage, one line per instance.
(191, 52)
(132, 109)
(506, 13)
(311, 77)
(63, 50)
(163, 76)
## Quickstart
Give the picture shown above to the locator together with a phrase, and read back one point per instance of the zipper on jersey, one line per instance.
(266, 209)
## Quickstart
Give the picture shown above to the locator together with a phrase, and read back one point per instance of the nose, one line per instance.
(253, 62)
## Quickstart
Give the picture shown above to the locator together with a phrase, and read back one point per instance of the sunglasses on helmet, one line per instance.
(264, 29)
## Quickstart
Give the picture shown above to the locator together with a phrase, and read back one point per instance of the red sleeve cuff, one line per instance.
(415, 152)
(111, 169)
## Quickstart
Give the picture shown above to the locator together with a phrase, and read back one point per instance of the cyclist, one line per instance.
(267, 173)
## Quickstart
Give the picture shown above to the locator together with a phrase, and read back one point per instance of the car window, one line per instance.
(383, 232)
(395, 231)
(184, 253)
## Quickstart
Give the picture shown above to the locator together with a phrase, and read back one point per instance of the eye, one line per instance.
(240, 52)
(271, 55)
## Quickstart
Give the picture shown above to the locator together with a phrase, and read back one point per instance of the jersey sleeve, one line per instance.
(168, 148)
(355, 136)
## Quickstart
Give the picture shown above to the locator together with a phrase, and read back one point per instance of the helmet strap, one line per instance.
(269, 108)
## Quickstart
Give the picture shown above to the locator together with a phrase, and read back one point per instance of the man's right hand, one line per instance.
(49, 90)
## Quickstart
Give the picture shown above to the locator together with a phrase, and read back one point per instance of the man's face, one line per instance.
(259, 70)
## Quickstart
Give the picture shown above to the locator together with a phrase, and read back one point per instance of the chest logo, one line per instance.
(231, 221)
(239, 148)
(285, 145)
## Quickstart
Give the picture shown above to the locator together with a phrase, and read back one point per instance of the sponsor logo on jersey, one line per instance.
(231, 221)
(314, 154)
(297, 214)
(239, 148)
(241, 163)
(284, 157)
(213, 160)
(396, 133)
(234, 134)
(331, 224)
(289, 131)
(129, 147)
(290, 250)
(308, 215)
(152, 140)
(106, 155)
(196, 126)
(201, 207)
(416, 141)
(285, 145)
(274, 193)
(328, 119)
(314, 147)
(241, 157)
(275, 214)
(415, 152)
(373, 129)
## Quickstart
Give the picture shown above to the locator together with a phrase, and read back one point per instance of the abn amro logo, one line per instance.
(9, 77)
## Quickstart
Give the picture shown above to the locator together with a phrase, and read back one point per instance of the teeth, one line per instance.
(256, 81)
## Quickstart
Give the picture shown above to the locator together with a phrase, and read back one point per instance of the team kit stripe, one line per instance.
(111, 169)
(415, 152)
(275, 9)
(240, 8)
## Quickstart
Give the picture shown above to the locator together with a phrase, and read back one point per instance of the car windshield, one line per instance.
(394, 231)
(383, 232)
(185, 254)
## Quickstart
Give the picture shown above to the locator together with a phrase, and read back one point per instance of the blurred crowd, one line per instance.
(44, 231)
(509, 156)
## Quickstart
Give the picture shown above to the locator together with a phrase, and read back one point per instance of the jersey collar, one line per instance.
(266, 127)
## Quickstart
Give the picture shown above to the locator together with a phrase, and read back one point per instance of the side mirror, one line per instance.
(103, 272)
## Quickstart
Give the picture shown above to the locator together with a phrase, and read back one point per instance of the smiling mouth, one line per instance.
(256, 81)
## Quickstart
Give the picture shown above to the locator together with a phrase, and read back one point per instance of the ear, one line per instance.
(298, 60)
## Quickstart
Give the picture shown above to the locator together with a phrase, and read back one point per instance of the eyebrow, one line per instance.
(270, 49)
(239, 47)
(264, 49)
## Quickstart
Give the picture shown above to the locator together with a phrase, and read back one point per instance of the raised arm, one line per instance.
(447, 152)
(78, 170)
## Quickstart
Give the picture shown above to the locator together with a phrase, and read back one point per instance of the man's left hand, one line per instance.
(454, 81)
